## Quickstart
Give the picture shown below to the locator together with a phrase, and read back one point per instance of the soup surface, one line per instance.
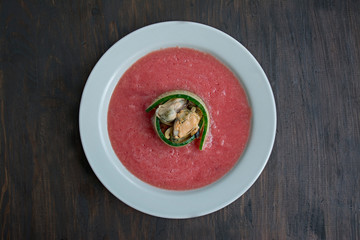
(136, 143)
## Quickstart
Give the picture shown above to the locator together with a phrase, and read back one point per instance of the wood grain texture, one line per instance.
(310, 188)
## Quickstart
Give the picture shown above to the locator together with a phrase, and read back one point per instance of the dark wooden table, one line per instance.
(310, 51)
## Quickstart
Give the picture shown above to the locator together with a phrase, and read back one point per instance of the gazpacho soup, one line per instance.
(166, 146)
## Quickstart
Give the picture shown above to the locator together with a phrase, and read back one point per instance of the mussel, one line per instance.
(167, 112)
(186, 124)
(180, 117)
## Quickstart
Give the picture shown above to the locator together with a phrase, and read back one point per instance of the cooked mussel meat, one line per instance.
(167, 112)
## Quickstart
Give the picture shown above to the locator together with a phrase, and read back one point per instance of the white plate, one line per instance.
(93, 120)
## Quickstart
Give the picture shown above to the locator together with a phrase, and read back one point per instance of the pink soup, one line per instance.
(136, 143)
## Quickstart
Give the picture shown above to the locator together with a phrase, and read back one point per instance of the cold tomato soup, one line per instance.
(135, 141)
